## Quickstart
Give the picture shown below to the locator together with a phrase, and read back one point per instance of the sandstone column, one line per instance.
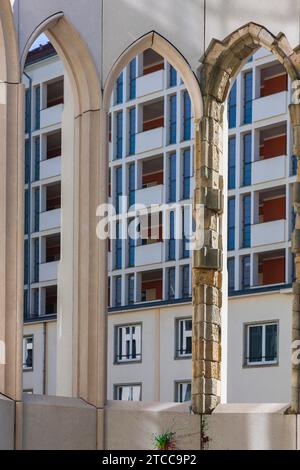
(207, 261)
(295, 392)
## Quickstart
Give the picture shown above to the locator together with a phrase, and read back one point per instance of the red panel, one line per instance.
(153, 124)
(274, 85)
(153, 68)
(273, 271)
(157, 178)
(157, 285)
(273, 209)
(273, 147)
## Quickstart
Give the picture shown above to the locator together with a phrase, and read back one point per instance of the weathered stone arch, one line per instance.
(220, 64)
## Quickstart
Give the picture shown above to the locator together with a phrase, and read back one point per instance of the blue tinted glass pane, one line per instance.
(119, 135)
(186, 174)
(185, 241)
(271, 343)
(131, 185)
(172, 177)
(118, 247)
(172, 242)
(246, 272)
(173, 119)
(120, 89)
(294, 165)
(231, 224)
(173, 77)
(132, 122)
(37, 107)
(118, 291)
(185, 282)
(187, 118)
(131, 290)
(230, 267)
(247, 160)
(248, 98)
(247, 222)
(118, 189)
(132, 93)
(171, 284)
(231, 162)
(232, 107)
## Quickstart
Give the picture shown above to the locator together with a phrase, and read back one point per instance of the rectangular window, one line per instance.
(131, 260)
(119, 189)
(118, 264)
(37, 149)
(246, 221)
(232, 107)
(26, 314)
(186, 193)
(231, 223)
(36, 259)
(185, 281)
(231, 274)
(187, 116)
(172, 177)
(118, 291)
(129, 343)
(294, 165)
(171, 283)
(27, 161)
(262, 344)
(183, 392)
(27, 209)
(185, 240)
(28, 353)
(172, 241)
(119, 136)
(36, 302)
(128, 392)
(119, 89)
(247, 150)
(27, 111)
(37, 107)
(248, 98)
(231, 162)
(131, 289)
(37, 210)
(132, 79)
(26, 262)
(173, 120)
(184, 338)
(172, 77)
(132, 133)
(131, 188)
(246, 272)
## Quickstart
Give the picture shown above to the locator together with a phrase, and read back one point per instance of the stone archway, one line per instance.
(220, 65)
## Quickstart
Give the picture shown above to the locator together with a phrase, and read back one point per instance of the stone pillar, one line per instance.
(295, 392)
(207, 261)
(11, 238)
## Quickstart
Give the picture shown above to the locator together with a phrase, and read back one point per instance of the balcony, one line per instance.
(48, 271)
(270, 106)
(268, 233)
(51, 116)
(151, 195)
(149, 254)
(50, 168)
(268, 170)
(149, 140)
(151, 83)
(50, 220)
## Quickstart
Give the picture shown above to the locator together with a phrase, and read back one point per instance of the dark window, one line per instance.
(231, 271)
(119, 152)
(185, 282)
(132, 121)
(232, 107)
(173, 119)
(247, 221)
(172, 241)
(132, 79)
(171, 283)
(231, 162)
(172, 76)
(231, 223)
(248, 98)
(172, 177)
(187, 116)
(119, 90)
(186, 174)
(247, 149)
(246, 272)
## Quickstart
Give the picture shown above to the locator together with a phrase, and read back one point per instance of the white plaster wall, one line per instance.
(45, 71)
(259, 384)
(51, 355)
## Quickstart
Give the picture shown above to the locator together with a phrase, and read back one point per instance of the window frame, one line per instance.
(177, 383)
(117, 386)
(28, 369)
(263, 363)
(177, 355)
(139, 360)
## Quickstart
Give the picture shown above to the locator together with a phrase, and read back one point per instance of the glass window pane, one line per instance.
(255, 344)
(271, 343)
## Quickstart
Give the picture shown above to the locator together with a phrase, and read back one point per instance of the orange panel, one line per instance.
(153, 68)
(273, 147)
(274, 85)
(273, 209)
(273, 271)
(157, 285)
(157, 178)
(153, 124)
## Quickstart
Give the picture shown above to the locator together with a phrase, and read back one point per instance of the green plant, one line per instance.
(165, 441)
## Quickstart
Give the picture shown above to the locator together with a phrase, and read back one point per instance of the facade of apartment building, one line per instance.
(151, 162)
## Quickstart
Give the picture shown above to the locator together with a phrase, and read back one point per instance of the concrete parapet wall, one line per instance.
(7, 423)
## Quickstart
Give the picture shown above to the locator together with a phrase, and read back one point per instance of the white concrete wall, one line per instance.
(158, 371)
(269, 384)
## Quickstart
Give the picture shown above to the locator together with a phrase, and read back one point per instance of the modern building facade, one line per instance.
(151, 162)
